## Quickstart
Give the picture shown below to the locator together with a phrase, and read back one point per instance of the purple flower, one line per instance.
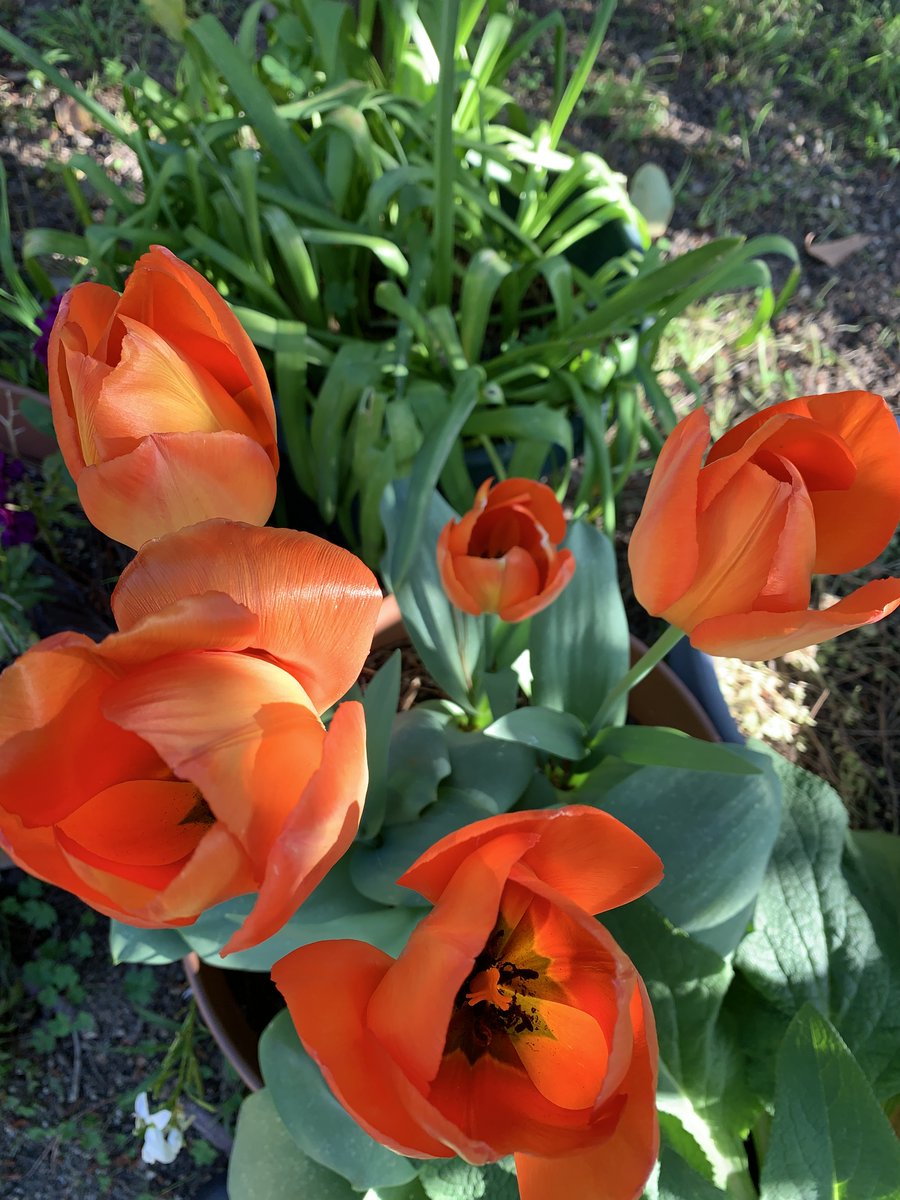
(45, 324)
(11, 469)
(16, 527)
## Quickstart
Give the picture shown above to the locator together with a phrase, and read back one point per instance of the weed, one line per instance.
(841, 58)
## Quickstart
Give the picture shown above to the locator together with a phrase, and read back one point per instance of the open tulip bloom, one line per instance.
(511, 1023)
(183, 761)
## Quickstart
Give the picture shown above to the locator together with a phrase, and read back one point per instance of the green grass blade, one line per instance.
(273, 132)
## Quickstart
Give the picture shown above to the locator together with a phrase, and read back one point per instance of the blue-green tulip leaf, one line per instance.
(651, 746)
(558, 733)
(374, 869)
(266, 1161)
(579, 644)
(448, 641)
(318, 1123)
(714, 833)
(127, 944)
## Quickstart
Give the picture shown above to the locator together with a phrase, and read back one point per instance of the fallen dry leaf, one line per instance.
(832, 254)
(71, 117)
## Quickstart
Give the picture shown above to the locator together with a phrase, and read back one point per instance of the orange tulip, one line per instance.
(182, 761)
(161, 405)
(502, 556)
(511, 1023)
(725, 550)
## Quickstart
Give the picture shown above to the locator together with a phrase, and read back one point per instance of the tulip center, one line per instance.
(199, 813)
(494, 1000)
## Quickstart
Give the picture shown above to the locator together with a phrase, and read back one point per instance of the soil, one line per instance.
(66, 1115)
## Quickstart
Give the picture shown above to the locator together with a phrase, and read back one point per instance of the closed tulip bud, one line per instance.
(162, 408)
(726, 548)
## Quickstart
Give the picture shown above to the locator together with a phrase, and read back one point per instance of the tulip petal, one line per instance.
(216, 871)
(410, 1011)
(537, 499)
(38, 852)
(446, 561)
(317, 832)
(85, 313)
(172, 480)
(209, 622)
(187, 312)
(561, 571)
(241, 729)
(494, 584)
(566, 1060)
(85, 378)
(663, 553)
(496, 1102)
(617, 1165)
(317, 603)
(854, 526)
(562, 853)
(739, 536)
(577, 963)
(142, 823)
(787, 586)
(327, 986)
(821, 457)
(762, 635)
(51, 723)
(154, 390)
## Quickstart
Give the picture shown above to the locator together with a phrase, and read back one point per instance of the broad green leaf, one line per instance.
(714, 833)
(678, 1181)
(374, 869)
(657, 747)
(318, 1123)
(334, 910)
(497, 771)
(453, 1179)
(266, 1161)
(579, 645)
(701, 1068)
(813, 941)
(830, 1138)
(380, 704)
(127, 944)
(556, 733)
(418, 759)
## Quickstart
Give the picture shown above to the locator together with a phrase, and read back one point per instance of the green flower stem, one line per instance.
(641, 669)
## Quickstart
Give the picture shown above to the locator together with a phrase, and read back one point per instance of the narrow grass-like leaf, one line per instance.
(284, 146)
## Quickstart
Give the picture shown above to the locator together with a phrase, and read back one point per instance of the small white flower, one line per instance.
(162, 1131)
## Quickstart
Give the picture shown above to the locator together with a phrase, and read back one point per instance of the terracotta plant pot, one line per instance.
(25, 441)
(225, 997)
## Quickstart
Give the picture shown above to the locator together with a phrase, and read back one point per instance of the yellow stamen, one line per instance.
(486, 986)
